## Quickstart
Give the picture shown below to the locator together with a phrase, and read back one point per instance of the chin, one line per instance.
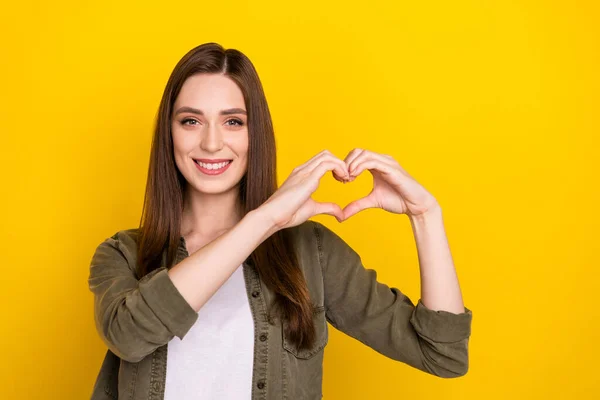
(215, 187)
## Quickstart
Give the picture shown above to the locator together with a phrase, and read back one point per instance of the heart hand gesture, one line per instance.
(394, 190)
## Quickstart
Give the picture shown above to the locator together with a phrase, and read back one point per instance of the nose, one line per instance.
(211, 140)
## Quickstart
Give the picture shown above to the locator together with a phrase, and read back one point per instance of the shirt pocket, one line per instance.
(321, 337)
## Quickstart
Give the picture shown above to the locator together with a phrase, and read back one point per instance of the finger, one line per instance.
(330, 209)
(359, 205)
(303, 165)
(352, 155)
(392, 161)
(308, 166)
(369, 155)
(340, 173)
(357, 155)
(325, 166)
(377, 165)
(340, 170)
(314, 159)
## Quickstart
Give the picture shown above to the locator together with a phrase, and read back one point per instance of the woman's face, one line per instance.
(209, 128)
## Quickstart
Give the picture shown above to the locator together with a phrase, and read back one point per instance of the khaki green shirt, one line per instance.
(137, 318)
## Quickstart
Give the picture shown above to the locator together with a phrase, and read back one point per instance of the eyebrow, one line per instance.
(229, 111)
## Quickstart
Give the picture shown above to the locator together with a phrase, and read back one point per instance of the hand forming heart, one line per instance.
(394, 190)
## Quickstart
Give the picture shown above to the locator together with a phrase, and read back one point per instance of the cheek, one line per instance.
(181, 148)
(244, 144)
(177, 139)
(182, 144)
(238, 144)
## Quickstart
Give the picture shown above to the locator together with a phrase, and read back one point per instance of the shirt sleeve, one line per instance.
(385, 319)
(134, 317)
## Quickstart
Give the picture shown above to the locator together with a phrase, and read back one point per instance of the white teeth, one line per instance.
(213, 166)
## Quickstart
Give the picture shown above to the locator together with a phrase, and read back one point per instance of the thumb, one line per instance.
(359, 205)
(329, 208)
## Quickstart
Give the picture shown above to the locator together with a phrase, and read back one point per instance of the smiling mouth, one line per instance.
(218, 165)
(213, 168)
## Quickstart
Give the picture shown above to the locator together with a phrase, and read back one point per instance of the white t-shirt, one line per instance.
(215, 358)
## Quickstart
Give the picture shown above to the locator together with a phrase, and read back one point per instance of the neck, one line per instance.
(210, 215)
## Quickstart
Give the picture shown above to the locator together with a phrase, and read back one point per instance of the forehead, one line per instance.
(210, 92)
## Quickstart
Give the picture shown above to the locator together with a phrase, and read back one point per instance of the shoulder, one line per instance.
(124, 238)
(121, 245)
(127, 235)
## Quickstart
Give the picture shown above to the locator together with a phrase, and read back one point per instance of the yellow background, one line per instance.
(492, 106)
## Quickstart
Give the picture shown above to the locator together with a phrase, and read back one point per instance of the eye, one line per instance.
(183, 122)
(237, 121)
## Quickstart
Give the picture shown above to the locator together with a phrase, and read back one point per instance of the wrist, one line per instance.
(433, 213)
(262, 221)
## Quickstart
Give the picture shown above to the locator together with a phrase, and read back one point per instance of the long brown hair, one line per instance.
(275, 259)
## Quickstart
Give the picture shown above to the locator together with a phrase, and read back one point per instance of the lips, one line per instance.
(212, 162)
(212, 171)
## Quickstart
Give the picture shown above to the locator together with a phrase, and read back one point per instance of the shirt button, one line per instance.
(260, 384)
(255, 294)
(263, 337)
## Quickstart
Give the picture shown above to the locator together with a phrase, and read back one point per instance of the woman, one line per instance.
(226, 288)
